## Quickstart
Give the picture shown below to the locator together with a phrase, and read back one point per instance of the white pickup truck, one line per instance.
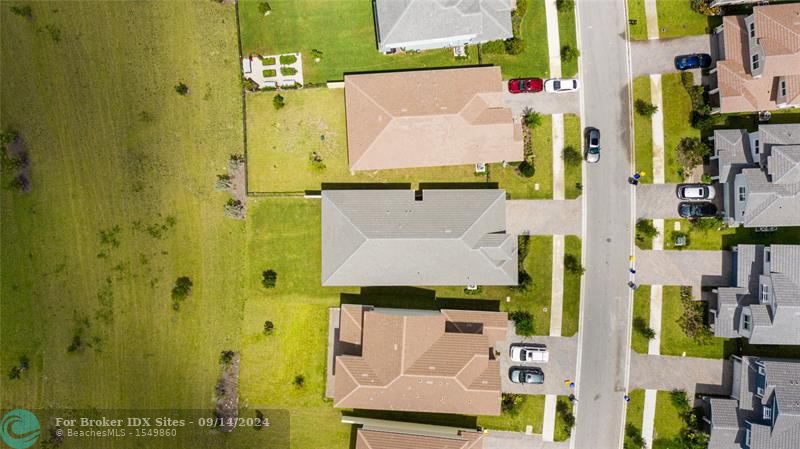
(529, 353)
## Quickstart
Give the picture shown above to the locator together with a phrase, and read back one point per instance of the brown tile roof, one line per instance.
(426, 361)
(777, 29)
(379, 439)
(429, 118)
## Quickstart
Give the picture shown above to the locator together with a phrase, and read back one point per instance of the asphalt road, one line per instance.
(603, 351)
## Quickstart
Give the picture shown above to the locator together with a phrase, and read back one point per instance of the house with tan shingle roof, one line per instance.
(429, 118)
(759, 62)
(382, 434)
(417, 360)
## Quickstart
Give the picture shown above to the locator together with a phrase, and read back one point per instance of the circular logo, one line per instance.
(20, 429)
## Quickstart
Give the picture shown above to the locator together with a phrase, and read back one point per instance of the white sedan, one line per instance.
(529, 353)
(560, 85)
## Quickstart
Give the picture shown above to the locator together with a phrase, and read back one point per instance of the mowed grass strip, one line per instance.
(643, 131)
(530, 412)
(572, 289)
(641, 318)
(343, 30)
(637, 31)
(676, 18)
(677, 123)
(668, 422)
(573, 182)
(567, 36)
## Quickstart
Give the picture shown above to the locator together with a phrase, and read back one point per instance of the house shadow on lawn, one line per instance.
(458, 185)
(415, 298)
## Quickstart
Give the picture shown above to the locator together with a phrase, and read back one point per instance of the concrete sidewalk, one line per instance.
(496, 439)
(651, 12)
(553, 39)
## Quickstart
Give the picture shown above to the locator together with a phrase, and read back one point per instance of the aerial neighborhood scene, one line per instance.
(394, 224)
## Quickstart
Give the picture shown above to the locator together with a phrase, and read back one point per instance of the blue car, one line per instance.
(695, 61)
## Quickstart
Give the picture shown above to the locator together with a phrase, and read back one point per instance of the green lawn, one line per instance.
(675, 342)
(572, 289)
(534, 59)
(567, 36)
(668, 422)
(573, 182)
(676, 18)
(562, 430)
(643, 241)
(530, 412)
(540, 185)
(633, 415)
(727, 238)
(637, 32)
(641, 318)
(115, 152)
(677, 111)
(280, 144)
(343, 30)
(643, 130)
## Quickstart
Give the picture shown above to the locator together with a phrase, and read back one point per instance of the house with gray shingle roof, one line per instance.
(760, 175)
(763, 305)
(407, 238)
(428, 24)
(763, 410)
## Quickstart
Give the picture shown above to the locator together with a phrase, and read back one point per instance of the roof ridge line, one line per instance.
(399, 19)
(357, 248)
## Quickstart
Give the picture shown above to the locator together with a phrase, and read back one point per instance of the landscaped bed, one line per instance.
(674, 340)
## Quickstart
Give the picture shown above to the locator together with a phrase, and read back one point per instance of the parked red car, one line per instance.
(518, 86)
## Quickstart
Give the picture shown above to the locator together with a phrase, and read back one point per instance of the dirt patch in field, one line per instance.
(227, 408)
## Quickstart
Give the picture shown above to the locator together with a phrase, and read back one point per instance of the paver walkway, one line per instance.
(692, 374)
(543, 217)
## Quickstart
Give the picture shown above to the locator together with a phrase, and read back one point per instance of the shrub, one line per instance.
(316, 54)
(633, 437)
(278, 102)
(704, 7)
(182, 288)
(288, 59)
(14, 373)
(494, 47)
(692, 320)
(514, 46)
(235, 162)
(642, 327)
(526, 169)
(269, 278)
(269, 73)
(226, 357)
(288, 71)
(234, 208)
(24, 363)
(531, 119)
(569, 53)
(223, 182)
(702, 121)
(23, 11)
(565, 5)
(572, 264)
(264, 8)
(315, 159)
(510, 402)
(571, 156)
(645, 230)
(691, 152)
(645, 108)
(268, 327)
(268, 61)
(680, 400)
(299, 381)
(523, 322)
(182, 89)
(706, 179)
(249, 85)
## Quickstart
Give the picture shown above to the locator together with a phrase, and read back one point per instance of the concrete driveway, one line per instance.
(543, 217)
(658, 55)
(560, 366)
(694, 375)
(695, 268)
(518, 440)
(542, 103)
(661, 200)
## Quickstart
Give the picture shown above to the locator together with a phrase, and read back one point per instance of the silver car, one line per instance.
(696, 192)
(592, 145)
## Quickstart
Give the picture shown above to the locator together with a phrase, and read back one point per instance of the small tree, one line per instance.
(514, 46)
(264, 8)
(565, 6)
(569, 53)
(182, 89)
(691, 152)
(277, 101)
(572, 264)
(226, 357)
(645, 108)
(526, 169)
(571, 155)
(268, 327)
(531, 119)
(182, 288)
(269, 278)
(645, 230)
(299, 381)
(523, 322)
(510, 402)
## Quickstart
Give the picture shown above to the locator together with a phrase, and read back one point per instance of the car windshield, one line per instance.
(557, 84)
(595, 141)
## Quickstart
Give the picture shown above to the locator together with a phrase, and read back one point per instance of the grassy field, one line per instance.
(633, 415)
(540, 185)
(122, 203)
(637, 32)
(534, 60)
(641, 318)
(573, 181)
(677, 111)
(530, 412)
(726, 238)
(572, 289)
(668, 422)
(280, 144)
(347, 43)
(643, 131)
(567, 35)
(675, 342)
(676, 18)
